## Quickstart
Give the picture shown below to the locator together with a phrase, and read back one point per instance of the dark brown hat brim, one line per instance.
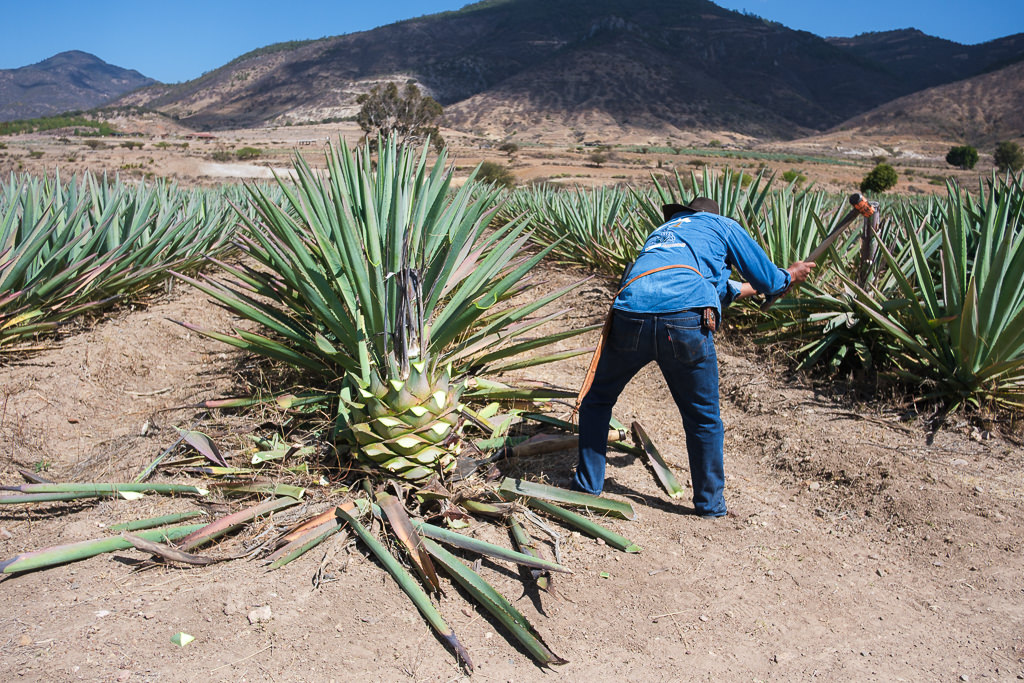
(698, 204)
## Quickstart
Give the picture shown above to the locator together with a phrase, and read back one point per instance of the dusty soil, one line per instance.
(860, 547)
(155, 147)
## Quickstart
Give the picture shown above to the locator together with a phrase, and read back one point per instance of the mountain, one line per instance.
(979, 111)
(65, 82)
(659, 65)
(646, 63)
(922, 61)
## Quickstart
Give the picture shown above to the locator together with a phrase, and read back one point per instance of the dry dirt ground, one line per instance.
(158, 148)
(861, 547)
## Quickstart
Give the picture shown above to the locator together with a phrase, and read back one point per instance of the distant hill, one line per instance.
(65, 82)
(659, 65)
(921, 61)
(978, 111)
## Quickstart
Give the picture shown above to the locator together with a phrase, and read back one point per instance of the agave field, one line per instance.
(407, 313)
(68, 249)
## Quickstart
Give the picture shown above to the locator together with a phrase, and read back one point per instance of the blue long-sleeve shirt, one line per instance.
(712, 244)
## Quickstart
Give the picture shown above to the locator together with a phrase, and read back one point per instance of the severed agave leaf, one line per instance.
(403, 528)
(529, 489)
(658, 464)
(410, 586)
(494, 603)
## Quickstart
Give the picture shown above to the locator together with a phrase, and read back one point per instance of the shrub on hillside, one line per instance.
(963, 156)
(881, 178)
(498, 174)
(1009, 156)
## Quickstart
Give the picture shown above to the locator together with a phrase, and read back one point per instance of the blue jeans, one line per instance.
(686, 355)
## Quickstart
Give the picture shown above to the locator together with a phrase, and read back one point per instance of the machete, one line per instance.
(861, 207)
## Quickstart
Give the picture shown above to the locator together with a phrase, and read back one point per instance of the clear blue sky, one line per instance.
(179, 40)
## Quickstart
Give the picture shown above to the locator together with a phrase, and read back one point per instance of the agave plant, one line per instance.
(392, 290)
(739, 196)
(596, 228)
(957, 328)
(69, 248)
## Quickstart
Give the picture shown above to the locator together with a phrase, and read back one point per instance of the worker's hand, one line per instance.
(800, 270)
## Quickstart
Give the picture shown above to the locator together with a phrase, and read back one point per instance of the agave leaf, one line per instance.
(44, 497)
(403, 528)
(155, 521)
(410, 586)
(168, 553)
(528, 489)
(107, 489)
(227, 523)
(205, 445)
(658, 464)
(494, 603)
(526, 545)
(484, 548)
(582, 523)
(304, 544)
(324, 517)
(72, 552)
(267, 487)
(145, 473)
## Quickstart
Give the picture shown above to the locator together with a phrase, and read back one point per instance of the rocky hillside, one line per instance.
(979, 111)
(65, 82)
(921, 61)
(656, 64)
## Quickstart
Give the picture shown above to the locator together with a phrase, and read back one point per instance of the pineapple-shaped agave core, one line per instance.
(410, 428)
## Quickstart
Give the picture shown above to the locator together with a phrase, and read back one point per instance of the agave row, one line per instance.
(67, 248)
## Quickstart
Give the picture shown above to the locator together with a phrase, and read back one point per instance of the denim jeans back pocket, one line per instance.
(689, 344)
(625, 334)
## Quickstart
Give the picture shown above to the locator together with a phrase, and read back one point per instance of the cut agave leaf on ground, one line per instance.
(107, 489)
(615, 440)
(219, 527)
(303, 544)
(658, 464)
(529, 489)
(155, 521)
(168, 553)
(526, 545)
(269, 488)
(484, 548)
(411, 587)
(403, 528)
(583, 524)
(322, 518)
(479, 507)
(205, 445)
(44, 497)
(284, 401)
(151, 467)
(181, 639)
(495, 603)
(72, 552)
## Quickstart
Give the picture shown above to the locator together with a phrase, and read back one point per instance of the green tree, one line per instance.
(409, 114)
(879, 179)
(597, 158)
(963, 156)
(1009, 156)
(498, 174)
